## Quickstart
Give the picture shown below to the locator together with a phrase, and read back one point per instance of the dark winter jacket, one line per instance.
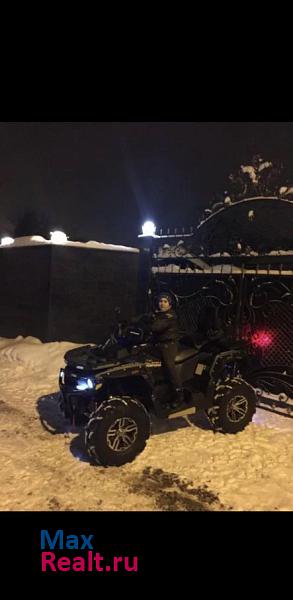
(165, 327)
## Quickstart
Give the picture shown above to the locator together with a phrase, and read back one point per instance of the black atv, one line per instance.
(114, 399)
(118, 345)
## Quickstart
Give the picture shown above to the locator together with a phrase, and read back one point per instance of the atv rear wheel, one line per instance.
(117, 431)
(235, 404)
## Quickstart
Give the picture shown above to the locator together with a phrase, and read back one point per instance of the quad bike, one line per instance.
(118, 344)
(114, 398)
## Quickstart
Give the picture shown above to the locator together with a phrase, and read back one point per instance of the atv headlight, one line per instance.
(85, 383)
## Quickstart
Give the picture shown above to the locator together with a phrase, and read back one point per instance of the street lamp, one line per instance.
(148, 229)
(6, 241)
(58, 237)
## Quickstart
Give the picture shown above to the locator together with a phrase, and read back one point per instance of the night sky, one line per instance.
(100, 181)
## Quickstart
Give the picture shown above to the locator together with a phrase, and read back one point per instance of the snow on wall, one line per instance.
(221, 269)
(37, 240)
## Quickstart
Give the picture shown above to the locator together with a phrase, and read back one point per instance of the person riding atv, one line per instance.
(165, 334)
(115, 397)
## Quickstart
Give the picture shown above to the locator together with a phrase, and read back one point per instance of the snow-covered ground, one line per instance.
(184, 467)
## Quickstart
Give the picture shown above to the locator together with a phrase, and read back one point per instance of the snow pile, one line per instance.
(46, 467)
(32, 354)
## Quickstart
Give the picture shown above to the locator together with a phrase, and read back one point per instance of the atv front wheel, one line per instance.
(235, 404)
(117, 431)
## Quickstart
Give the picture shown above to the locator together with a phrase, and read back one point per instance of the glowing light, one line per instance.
(85, 384)
(82, 386)
(261, 339)
(58, 237)
(6, 241)
(149, 228)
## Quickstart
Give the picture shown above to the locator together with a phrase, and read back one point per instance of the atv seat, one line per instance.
(184, 354)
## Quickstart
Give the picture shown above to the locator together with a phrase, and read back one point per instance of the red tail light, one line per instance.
(262, 339)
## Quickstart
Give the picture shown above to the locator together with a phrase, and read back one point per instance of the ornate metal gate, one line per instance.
(249, 295)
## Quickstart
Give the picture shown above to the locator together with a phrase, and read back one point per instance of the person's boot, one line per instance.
(179, 398)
